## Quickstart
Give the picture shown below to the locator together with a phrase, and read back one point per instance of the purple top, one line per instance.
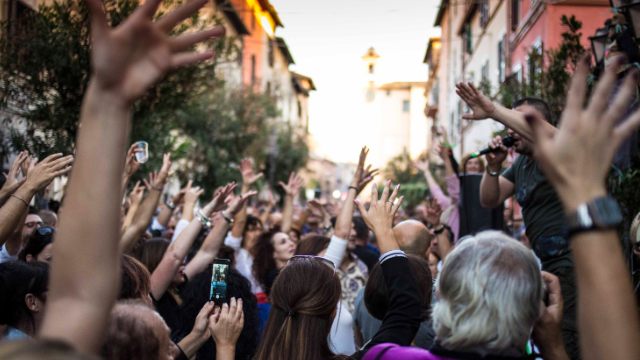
(397, 352)
(453, 187)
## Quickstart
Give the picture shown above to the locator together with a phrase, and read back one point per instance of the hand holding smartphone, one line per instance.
(219, 281)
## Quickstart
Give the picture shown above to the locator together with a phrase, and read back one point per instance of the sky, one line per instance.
(328, 39)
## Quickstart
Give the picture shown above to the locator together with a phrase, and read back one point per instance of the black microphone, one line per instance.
(507, 141)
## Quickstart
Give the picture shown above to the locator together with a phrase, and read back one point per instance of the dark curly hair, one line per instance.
(264, 262)
(35, 244)
(196, 294)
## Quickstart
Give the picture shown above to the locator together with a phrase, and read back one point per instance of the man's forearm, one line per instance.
(14, 212)
(165, 215)
(191, 343)
(607, 316)
(85, 277)
(515, 121)
(489, 191)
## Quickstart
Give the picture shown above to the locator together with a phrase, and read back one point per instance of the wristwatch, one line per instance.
(203, 219)
(599, 214)
(227, 219)
(170, 205)
(439, 231)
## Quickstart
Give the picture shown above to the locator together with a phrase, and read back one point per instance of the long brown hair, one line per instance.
(264, 262)
(304, 301)
(153, 252)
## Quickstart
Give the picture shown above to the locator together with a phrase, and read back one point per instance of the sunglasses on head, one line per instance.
(329, 263)
(45, 230)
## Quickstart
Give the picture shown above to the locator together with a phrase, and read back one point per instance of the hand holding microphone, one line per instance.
(496, 152)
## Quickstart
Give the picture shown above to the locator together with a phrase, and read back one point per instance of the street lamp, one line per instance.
(632, 12)
(598, 43)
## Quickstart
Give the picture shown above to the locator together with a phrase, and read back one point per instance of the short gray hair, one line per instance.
(490, 294)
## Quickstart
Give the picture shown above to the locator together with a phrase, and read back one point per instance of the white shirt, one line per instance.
(341, 337)
(5, 256)
(244, 261)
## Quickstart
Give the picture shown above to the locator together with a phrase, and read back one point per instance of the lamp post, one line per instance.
(632, 13)
(598, 43)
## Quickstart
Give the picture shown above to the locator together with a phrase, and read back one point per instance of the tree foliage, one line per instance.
(45, 69)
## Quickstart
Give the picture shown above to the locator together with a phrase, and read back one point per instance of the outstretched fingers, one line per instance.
(188, 58)
(186, 41)
(169, 21)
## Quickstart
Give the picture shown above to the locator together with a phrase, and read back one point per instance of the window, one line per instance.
(451, 127)
(534, 64)
(268, 88)
(458, 122)
(19, 18)
(253, 20)
(517, 73)
(370, 68)
(388, 92)
(483, 6)
(271, 53)
(405, 106)
(501, 61)
(299, 109)
(435, 90)
(469, 39)
(515, 14)
(485, 72)
(253, 69)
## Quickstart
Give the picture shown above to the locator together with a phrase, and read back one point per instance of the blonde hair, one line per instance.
(464, 159)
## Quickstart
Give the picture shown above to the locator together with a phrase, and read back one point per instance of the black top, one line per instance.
(269, 280)
(170, 310)
(367, 256)
(401, 322)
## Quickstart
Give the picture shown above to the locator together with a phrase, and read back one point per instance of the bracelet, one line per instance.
(155, 188)
(439, 231)
(170, 205)
(354, 188)
(203, 219)
(492, 173)
(21, 199)
(228, 220)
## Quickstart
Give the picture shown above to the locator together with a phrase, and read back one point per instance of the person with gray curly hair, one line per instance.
(490, 295)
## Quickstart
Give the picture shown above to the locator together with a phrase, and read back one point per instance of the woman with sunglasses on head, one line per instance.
(23, 298)
(39, 246)
(305, 296)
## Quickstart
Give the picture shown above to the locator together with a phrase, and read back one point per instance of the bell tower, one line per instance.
(370, 63)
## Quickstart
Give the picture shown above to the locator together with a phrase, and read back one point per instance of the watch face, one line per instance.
(605, 212)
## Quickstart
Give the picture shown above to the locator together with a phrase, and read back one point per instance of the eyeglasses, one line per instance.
(45, 230)
(329, 263)
(34, 224)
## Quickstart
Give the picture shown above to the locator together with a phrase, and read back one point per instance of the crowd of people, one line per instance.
(354, 281)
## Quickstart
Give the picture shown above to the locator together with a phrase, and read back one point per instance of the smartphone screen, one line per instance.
(219, 281)
(317, 194)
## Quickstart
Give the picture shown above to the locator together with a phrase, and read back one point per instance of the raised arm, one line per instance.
(482, 108)
(11, 183)
(126, 61)
(167, 212)
(14, 211)
(291, 189)
(143, 217)
(495, 189)
(130, 165)
(339, 240)
(264, 217)
(441, 245)
(248, 178)
(402, 320)
(136, 195)
(212, 243)
(576, 160)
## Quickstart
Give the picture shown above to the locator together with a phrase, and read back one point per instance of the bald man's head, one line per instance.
(413, 237)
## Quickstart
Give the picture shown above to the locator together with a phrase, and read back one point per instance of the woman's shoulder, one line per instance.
(396, 352)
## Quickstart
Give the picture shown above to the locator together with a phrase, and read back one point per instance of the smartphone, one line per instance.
(219, 281)
(317, 194)
(142, 156)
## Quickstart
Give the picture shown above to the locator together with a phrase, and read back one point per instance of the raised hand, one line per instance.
(226, 324)
(28, 164)
(158, 180)
(178, 198)
(131, 165)
(132, 57)
(48, 169)
(192, 194)
(136, 194)
(434, 211)
(480, 105)
(246, 170)
(292, 188)
(363, 176)
(442, 151)
(12, 183)
(577, 158)
(421, 165)
(379, 217)
(201, 327)
(218, 202)
(236, 204)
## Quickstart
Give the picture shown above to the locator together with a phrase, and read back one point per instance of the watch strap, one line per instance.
(492, 173)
